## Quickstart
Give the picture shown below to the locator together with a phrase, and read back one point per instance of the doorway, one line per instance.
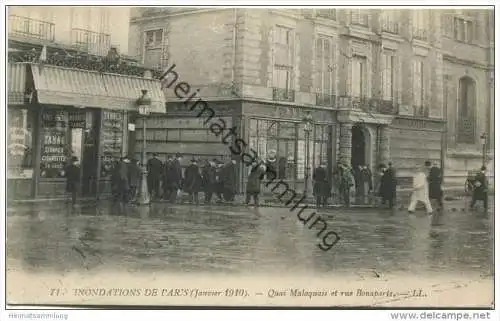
(358, 146)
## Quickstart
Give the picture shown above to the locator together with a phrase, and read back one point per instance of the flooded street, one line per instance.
(245, 240)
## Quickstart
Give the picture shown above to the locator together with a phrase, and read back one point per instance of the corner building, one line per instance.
(375, 81)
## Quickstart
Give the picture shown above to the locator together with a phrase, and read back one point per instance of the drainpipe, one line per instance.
(444, 136)
(235, 15)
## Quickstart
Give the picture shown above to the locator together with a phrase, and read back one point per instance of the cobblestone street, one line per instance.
(245, 240)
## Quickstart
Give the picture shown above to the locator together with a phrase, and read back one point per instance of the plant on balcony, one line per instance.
(112, 63)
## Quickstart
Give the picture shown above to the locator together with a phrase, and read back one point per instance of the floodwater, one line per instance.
(245, 240)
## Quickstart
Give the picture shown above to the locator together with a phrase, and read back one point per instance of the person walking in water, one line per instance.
(255, 177)
(420, 191)
(72, 179)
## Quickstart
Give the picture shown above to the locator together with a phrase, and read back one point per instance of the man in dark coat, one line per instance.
(219, 183)
(155, 172)
(257, 173)
(321, 187)
(480, 192)
(121, 181)
(365, 183)
(434, 180)
(208, 180)
(356, 172)
(166, 186)
(192, 181)
(387, 188)
(229, 181)
(72, 172)
(134, 177)
(175, 177)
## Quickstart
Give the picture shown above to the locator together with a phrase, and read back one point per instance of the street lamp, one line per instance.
(144, 104)
(308, 127)
(483, 139)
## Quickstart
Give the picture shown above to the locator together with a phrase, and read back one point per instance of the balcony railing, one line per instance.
(420, 34)
(31, 28)
(367, 105)
(390, 26)
(89, 41)
(325, 100)
(283, 94)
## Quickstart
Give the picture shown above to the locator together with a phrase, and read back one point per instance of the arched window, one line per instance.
(466, 112)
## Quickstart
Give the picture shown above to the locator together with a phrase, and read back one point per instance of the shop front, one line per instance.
(73, 113)
(280, 130)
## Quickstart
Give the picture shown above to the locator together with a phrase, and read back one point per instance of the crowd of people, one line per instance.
(168, 181)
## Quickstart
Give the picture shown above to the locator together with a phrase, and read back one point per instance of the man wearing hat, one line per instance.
(175, 177)
(155, 171)
(434, 179)
(72, 173)
(192, 181)
(209, 180)
(480, 185)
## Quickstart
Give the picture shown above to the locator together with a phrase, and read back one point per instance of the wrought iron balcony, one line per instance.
(283, 94)
(325, 100)
(90, 41)
(390, 26)
(420, 34)
(387, 107)
(367, 105)
(31, 28)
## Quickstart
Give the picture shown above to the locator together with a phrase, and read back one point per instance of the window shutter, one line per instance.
(448, 25)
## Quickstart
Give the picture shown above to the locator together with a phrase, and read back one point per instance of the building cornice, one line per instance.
(360, 33)
(465, 62)
(174, 14)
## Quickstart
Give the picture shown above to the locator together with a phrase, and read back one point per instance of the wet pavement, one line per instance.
(245, 240)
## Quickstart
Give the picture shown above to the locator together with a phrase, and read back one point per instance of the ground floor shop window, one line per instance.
(288, 140)
(280, 138)
(20, 143)
(61, 138)
(111, 140)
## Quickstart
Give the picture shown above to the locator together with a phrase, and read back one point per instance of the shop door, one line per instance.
(89, 155)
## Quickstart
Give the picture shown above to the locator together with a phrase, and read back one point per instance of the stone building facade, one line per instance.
(382, 85)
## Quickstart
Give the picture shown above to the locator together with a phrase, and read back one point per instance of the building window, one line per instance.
(466, 132)
(358, 76)
(268, 136)
(418, 88)
(325, 72)
(283, 64)
(20, 143)
(327, 13)
(463, 30)
(389, 21)
(359, 17)
(420, 23)
(154, 38)
(321, 139)
(388, 76)
(153, 53)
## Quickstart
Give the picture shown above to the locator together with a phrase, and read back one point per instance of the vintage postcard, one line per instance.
(250, 156)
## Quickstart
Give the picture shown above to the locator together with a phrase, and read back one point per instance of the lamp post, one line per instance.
(308, 127)
(483, 140)
(144, 104)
